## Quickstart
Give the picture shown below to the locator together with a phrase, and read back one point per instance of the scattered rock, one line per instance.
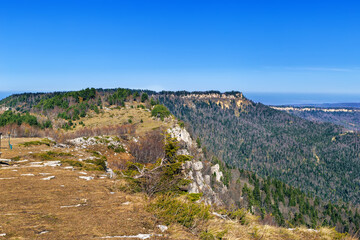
(61, 145)
(216, 169)
(2, 234)
(70, 206)
(77, 205)
(181, 135)
(87, 178)
(111, 173)
(22, 161)
(197, 166)
(84, 173)
(207, 179)
(162, 228)
(219, 215)
(5, 160)
(52, 163)
(140, 236)
(27, 174)
(44, 174)
(48, 178)
(35, 163)
(69, 167)
(43, 232)
(126, 203)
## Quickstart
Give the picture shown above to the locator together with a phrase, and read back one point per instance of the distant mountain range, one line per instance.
(343, 114)
(329, 105)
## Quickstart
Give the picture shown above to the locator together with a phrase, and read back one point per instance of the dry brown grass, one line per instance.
(254, 230)
(30, 205)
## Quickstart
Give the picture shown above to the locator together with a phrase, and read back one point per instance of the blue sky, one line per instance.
(250, 46)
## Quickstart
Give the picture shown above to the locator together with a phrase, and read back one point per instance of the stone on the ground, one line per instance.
(87, 178)
(162, 228)
(48, 178)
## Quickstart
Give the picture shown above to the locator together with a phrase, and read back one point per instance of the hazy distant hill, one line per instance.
(348, 117)
(330, 105)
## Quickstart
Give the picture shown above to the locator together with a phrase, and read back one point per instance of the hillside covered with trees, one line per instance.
(318, 158)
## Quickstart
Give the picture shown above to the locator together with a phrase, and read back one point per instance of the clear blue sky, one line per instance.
(251, 46)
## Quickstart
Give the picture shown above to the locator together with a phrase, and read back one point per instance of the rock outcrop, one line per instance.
(199, 172)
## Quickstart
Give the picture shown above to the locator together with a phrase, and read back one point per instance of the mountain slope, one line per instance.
(316, 157)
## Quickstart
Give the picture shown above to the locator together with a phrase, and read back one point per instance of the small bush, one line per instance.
(73, 163)
(193, 197)
(239, 215)
(144, 97)
(50, 155)
(117, 149)
(17, 158)
(99, 163)
(160, 111)
(44, 141)
(207, 236)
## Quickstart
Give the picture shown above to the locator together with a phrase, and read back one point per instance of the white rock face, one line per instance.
(197, 166)
(216, 169)
(183, 152)
(181, 135)
(200, 183)
(207, 179)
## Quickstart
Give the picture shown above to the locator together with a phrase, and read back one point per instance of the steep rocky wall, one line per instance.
(205, 177)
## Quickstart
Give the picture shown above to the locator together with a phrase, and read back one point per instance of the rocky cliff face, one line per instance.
(204, 174)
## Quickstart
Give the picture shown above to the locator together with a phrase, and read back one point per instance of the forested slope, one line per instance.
(316, 157)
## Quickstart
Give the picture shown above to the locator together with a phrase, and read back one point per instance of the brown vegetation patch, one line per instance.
(31, 205)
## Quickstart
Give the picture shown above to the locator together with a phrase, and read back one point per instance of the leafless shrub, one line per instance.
(26, 130)
(269, 220)
(149, 148)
